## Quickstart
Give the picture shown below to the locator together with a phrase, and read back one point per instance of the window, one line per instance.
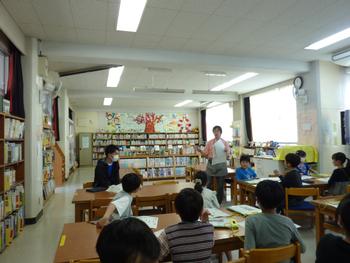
(221, 115)
(274, 116)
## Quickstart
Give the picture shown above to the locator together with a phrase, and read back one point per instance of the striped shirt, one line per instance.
(188, 242)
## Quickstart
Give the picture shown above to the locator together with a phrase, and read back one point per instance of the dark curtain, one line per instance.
(247, 117)
(16, 96)
(204, 125)
(55, 123)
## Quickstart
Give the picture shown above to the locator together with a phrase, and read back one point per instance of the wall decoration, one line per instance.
(149, 122)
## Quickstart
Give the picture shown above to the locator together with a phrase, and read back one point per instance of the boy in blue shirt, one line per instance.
(245, 172)
(303, 167)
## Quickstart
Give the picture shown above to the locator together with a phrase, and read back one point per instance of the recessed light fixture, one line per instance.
(130, 13)
(114, 75)
(214, 74)
(234, 81)
(183, 103)
(213, 104)
(330, 40)
(107, 101)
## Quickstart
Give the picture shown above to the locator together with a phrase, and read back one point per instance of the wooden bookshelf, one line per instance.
(49, 183)
(11, 177)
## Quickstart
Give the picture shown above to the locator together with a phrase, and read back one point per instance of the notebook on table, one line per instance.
(244, 210)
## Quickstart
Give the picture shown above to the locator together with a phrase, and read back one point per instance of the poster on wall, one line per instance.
(149, 122)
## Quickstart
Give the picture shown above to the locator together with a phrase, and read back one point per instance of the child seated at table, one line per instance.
(120, 207)
(340, 177)
(191, 240)
(209, 197)
(269, 229)
(245, 172)
(127, 240)
(332, 248)
(304, 168)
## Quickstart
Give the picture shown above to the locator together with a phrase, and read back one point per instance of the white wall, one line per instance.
(64, 127)
(33, 132)
(11, 30)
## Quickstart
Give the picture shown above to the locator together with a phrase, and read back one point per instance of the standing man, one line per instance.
(217, 151)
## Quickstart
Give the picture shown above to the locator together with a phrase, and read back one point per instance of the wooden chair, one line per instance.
(98, 208)
(271, 255)
(86, 261)
(165, 182)
(348, 189)
(88, 185)
(172, 203)
(304, 210)
(160, 201)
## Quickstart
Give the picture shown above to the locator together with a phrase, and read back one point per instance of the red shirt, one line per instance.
(209, 148)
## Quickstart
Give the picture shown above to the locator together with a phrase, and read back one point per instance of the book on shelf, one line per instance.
(10, 228)
(12, 152)
(14, 129)
(9, 179)
(49, 188)
(2, 208)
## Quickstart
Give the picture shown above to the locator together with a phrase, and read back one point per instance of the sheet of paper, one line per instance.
(306, 177)
(221, 222)
(217, 213)
(245, 210)
(151, 221)
(85, 142)
(325, 180)
(115, 188)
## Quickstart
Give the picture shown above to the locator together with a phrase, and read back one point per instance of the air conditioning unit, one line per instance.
(43, 66)
(342, 58)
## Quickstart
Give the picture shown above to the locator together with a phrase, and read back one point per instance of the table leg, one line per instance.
(78, 213)
(319, 224)
(233, 190)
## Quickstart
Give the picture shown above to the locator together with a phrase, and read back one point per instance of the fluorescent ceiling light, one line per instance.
(213, 104)
(114, 75)
(130, 13)
(330, 40)
(107, 101)
(183, 103)
(214, 74)
(234, 81)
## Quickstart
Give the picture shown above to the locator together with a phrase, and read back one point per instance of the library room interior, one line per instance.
(145, 131)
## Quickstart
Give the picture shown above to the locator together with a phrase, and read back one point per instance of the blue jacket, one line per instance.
(245, 174)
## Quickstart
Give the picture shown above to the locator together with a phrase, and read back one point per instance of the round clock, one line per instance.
(298, 82)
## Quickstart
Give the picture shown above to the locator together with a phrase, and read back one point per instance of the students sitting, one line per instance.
(209, 197)
(107, 169)
(245, 172)
(340, 177)
(269, 229)
(333, 248)
(127, 241)
(303, 167)
(120, 207)
(190, 240)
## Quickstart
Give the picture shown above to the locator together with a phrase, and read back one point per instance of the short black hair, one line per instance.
(343, 212)
(269, 193)
(293, 159)
(127, 241)
(301, 153)
(189, 204)
(217, 127)
(244, 158)
(110, 149)
(131, 182)
(200, 180)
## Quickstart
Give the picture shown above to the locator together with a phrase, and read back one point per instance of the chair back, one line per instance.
(303, 192)
(147, 201)
(172, 203)
(273, 255)
(98, 208)
(165, 182)
(88, 185)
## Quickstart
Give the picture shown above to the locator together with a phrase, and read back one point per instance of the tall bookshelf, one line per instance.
(156, 155)
(48, 141)
(11, 178)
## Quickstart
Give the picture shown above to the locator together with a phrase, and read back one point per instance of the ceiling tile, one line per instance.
(167, 4)
(123, 39)
(22, 11)
(235, 8)
(146, 40)
(53, 12)
(197, 46)
(91, 36)
(33, 30)
(58, 33)
(172, 43)
(268, 9)
(156, 21)
(185, 24)
(112, 13)
(201, 6)
(89, 14)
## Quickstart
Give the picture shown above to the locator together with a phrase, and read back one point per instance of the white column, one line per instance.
(64, 127)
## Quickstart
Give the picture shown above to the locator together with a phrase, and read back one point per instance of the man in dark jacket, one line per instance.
(107, 169)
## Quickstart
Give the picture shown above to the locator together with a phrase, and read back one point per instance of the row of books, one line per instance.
(48, 172)
(49, 188)
(186, 161)
(191, 142)
(160, 162)
(160, 172)
(48, 139)
(118, 136)
(13, 200)
(133, 163)
(97, 143)
(103, 136)
(48, 157)
(14, 129)
(9, 179)
(12, 152)
(183, 136)
(11, 227)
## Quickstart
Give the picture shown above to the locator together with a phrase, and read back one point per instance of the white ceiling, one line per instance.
(268, 29)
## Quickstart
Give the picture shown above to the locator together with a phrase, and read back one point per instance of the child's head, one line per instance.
(343, 214)
(302, 155)
(217, 131)
(200, 180)
(244, 161)
(127, 241)
(292, 160)
(131, 182)
(269, 194)
(189, 205)
(110, 151)
(339, 159)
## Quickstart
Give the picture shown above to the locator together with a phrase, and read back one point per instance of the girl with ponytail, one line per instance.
(341, 175)
(209, 197)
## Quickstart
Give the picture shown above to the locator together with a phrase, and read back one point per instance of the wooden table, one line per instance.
(247, 189)
(326, 207)
(230, 174)
(82, 199)
(78, 240)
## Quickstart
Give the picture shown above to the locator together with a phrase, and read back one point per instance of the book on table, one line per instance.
(244, 210)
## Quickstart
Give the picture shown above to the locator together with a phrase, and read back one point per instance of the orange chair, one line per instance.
(98, 208)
